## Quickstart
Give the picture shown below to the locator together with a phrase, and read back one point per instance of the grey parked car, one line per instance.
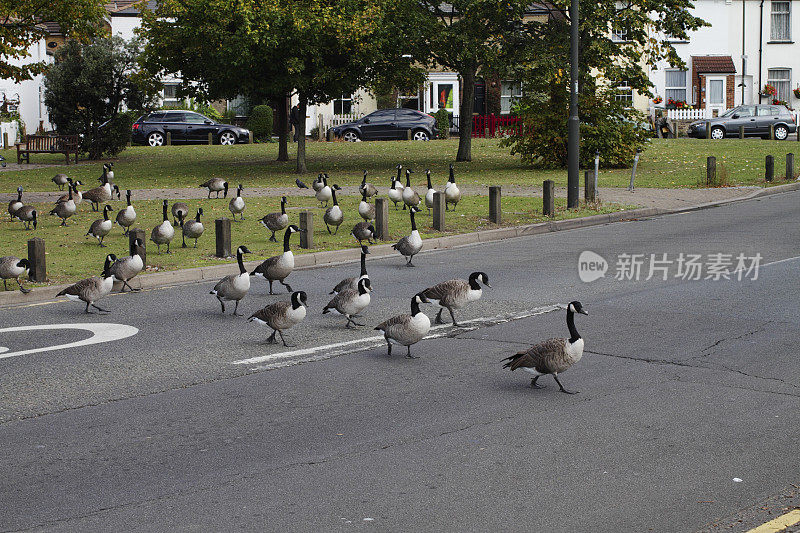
(756, 120)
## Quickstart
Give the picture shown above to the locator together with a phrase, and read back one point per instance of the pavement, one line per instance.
(687, 416)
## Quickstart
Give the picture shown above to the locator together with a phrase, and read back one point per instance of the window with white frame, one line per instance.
(781, 29)
(675, 85)
(510, 92)
(780, 78)
(619, 28)
(171, 91)
(624, 93)
(343, 105)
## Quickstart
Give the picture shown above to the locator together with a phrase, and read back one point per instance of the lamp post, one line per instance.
(573, 141)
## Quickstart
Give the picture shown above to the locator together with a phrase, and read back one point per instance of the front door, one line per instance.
(715, 95)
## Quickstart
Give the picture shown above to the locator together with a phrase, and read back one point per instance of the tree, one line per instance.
(21, 27)
(87, 87)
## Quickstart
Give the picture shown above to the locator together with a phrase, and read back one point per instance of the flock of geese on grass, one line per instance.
(351, 296)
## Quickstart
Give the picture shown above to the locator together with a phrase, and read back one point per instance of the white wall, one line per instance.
(31, 92)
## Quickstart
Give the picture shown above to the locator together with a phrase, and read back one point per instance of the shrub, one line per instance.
(443, 123)
(260, 122)
(116, 133)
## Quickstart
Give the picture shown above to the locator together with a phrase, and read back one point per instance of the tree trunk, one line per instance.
(282, 104)
(465, 114)
(301, 135)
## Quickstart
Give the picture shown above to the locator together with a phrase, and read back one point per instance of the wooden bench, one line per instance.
(48, 144)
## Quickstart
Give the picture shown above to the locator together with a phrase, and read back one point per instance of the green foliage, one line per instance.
(443, 123)
(193, 105)
(116, 133)
(260, 122)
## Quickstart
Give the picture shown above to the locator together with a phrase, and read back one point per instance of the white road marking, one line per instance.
(781, 261)
(339, 348)
(101, 332)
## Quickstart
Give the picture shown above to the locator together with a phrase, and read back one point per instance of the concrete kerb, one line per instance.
(333, 257)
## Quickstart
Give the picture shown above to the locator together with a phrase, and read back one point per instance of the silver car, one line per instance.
(755, 119)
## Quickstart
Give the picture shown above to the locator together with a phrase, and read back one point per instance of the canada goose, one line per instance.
(216, 185)
(300, 184)
(193, 228)
(163, 233)
(126, 217)
(278, 267)
(406, 330)
(366, 209)
(125, 269)
(179, 211)
(398, 184)
(324, 194)
(552, 356)
(456, 293)
(12, 268)
(367, 188)
(27, 214)
(333, 215)
(107, 175)
(317, 184)
(233, 287)
(14, 205)
(101, 227)
(395, 193)
(451, 193)
(282, 315)
(430, 192)
(363, 231)
(64, 210)
(77, 196)
(236, 205)
(92, 289)
(60, 180)
(410, 196)
(350, 302)
(276, 221)
(104, 193)
(352, 283)
(410, 245)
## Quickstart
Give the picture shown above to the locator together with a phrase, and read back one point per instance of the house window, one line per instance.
(781, 22)
(624, 94)
(410, 101)
(780, 78)
(171, 91)
(619, 27)
(343, 105)
(675, 86)
(510, 92)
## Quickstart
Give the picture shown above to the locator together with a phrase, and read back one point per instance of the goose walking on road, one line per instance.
(333, 215)
(12, 268)
(126, 217)
(233, 287)
(216, 185)
(101, 227)
(179, 212)
(552, 356)
(276, 221)
(352, 282)
(282, 315)
(14, 205)
(429, 193)
(236, 205)
(350, 302)
(456, 293)
(363, 231)
(163, 233)
(60, 180)
(92, 289)
(410, 196)
(64, 210)
(125, 269)
(452, 195)
(405, 329)
(410, 245)
(278, 268)
(193, 228)
(367, 188)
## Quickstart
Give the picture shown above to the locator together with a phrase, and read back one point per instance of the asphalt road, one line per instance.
(193, 423)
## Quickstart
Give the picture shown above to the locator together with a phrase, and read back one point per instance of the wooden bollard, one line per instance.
(741, 132)
(590, 194)
(250, 137)
(210, 138)
(36, 257)
(382, 218)
(409, 134)
(137, 233)
(495, 214)
(548, 198)
(711, 170)
(330, 135)
(5, 140)
(770, 164)
(789, 166)
(772, 132)
(169, 138)
(708, 130)
(307, 224)
(222, 227)
(438, 211)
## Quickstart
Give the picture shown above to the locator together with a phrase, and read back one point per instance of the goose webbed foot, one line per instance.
(562, 386)
(100, 309)
(23, 290)
(273, 239)
(236, 309)
(535, 386)
(409, 356)
(438, 319)
(284, 340)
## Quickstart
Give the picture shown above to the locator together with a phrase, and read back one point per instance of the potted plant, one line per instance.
(769, 90)
(658, 99)
(796, 92)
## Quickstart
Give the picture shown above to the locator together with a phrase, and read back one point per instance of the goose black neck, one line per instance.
(296, 301)
(413, 222)
(197, 217)
(393, 184)
(333, 194)
(165, 212)
(399, 170)
(238, 192)
(70, 194)
(240, 260)
(473, 282)
(573, 332)
(414, 306)
(128, 197)
(283, 207)
(363, 263)
(19, 196)
(139, 250)
(408, 179)
(286, 237)
(105, 213)
(429, 181)
(362, 289)
(364, 179)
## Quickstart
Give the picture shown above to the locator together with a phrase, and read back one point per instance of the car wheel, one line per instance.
(351, 136)
(781, 132)
(421, 135)
(155, 139)
(717, 133)
(227, 138)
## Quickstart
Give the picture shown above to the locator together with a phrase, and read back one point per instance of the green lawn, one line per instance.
(665, 163)
(71, 255)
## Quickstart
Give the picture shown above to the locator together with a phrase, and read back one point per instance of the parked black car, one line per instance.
(756, 120)
(184, 127)
(389, 124)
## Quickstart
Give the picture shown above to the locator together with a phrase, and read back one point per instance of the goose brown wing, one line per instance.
(271, 312)
(537, 356)
(80, 288)
(95, 227)
(396, 321)
(444, 289)
(267, 264)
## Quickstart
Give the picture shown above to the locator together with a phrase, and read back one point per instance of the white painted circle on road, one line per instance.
(101, 332)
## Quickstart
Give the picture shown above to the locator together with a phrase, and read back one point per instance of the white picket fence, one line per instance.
(688, 114)
(338, 120)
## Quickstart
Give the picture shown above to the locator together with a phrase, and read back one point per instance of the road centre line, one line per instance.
(778, 524)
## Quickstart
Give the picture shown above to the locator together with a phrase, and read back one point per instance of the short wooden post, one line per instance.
(486, 133)
(708, 130)
(5, 140)
(589, 192)
(409, 134)
(741, 132)
(382, 218)
(711, 170)
(548, 198)
(789, 166)
(438, 211)
(222, 227)
(495, 214)
(330, 135)
(169, 139)
(210, 138)
(307, 224)
(772, 132)
(36, 257)
(770, 164)
(137, 233)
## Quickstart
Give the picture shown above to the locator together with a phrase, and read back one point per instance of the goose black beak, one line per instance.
(488, 285)
(583, 312)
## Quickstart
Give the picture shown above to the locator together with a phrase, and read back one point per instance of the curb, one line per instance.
(333, 257)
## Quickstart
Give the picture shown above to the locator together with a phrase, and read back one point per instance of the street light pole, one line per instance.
(573, 142)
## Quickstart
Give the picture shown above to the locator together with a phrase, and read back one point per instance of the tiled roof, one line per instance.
(127, 7)
(713, 64)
